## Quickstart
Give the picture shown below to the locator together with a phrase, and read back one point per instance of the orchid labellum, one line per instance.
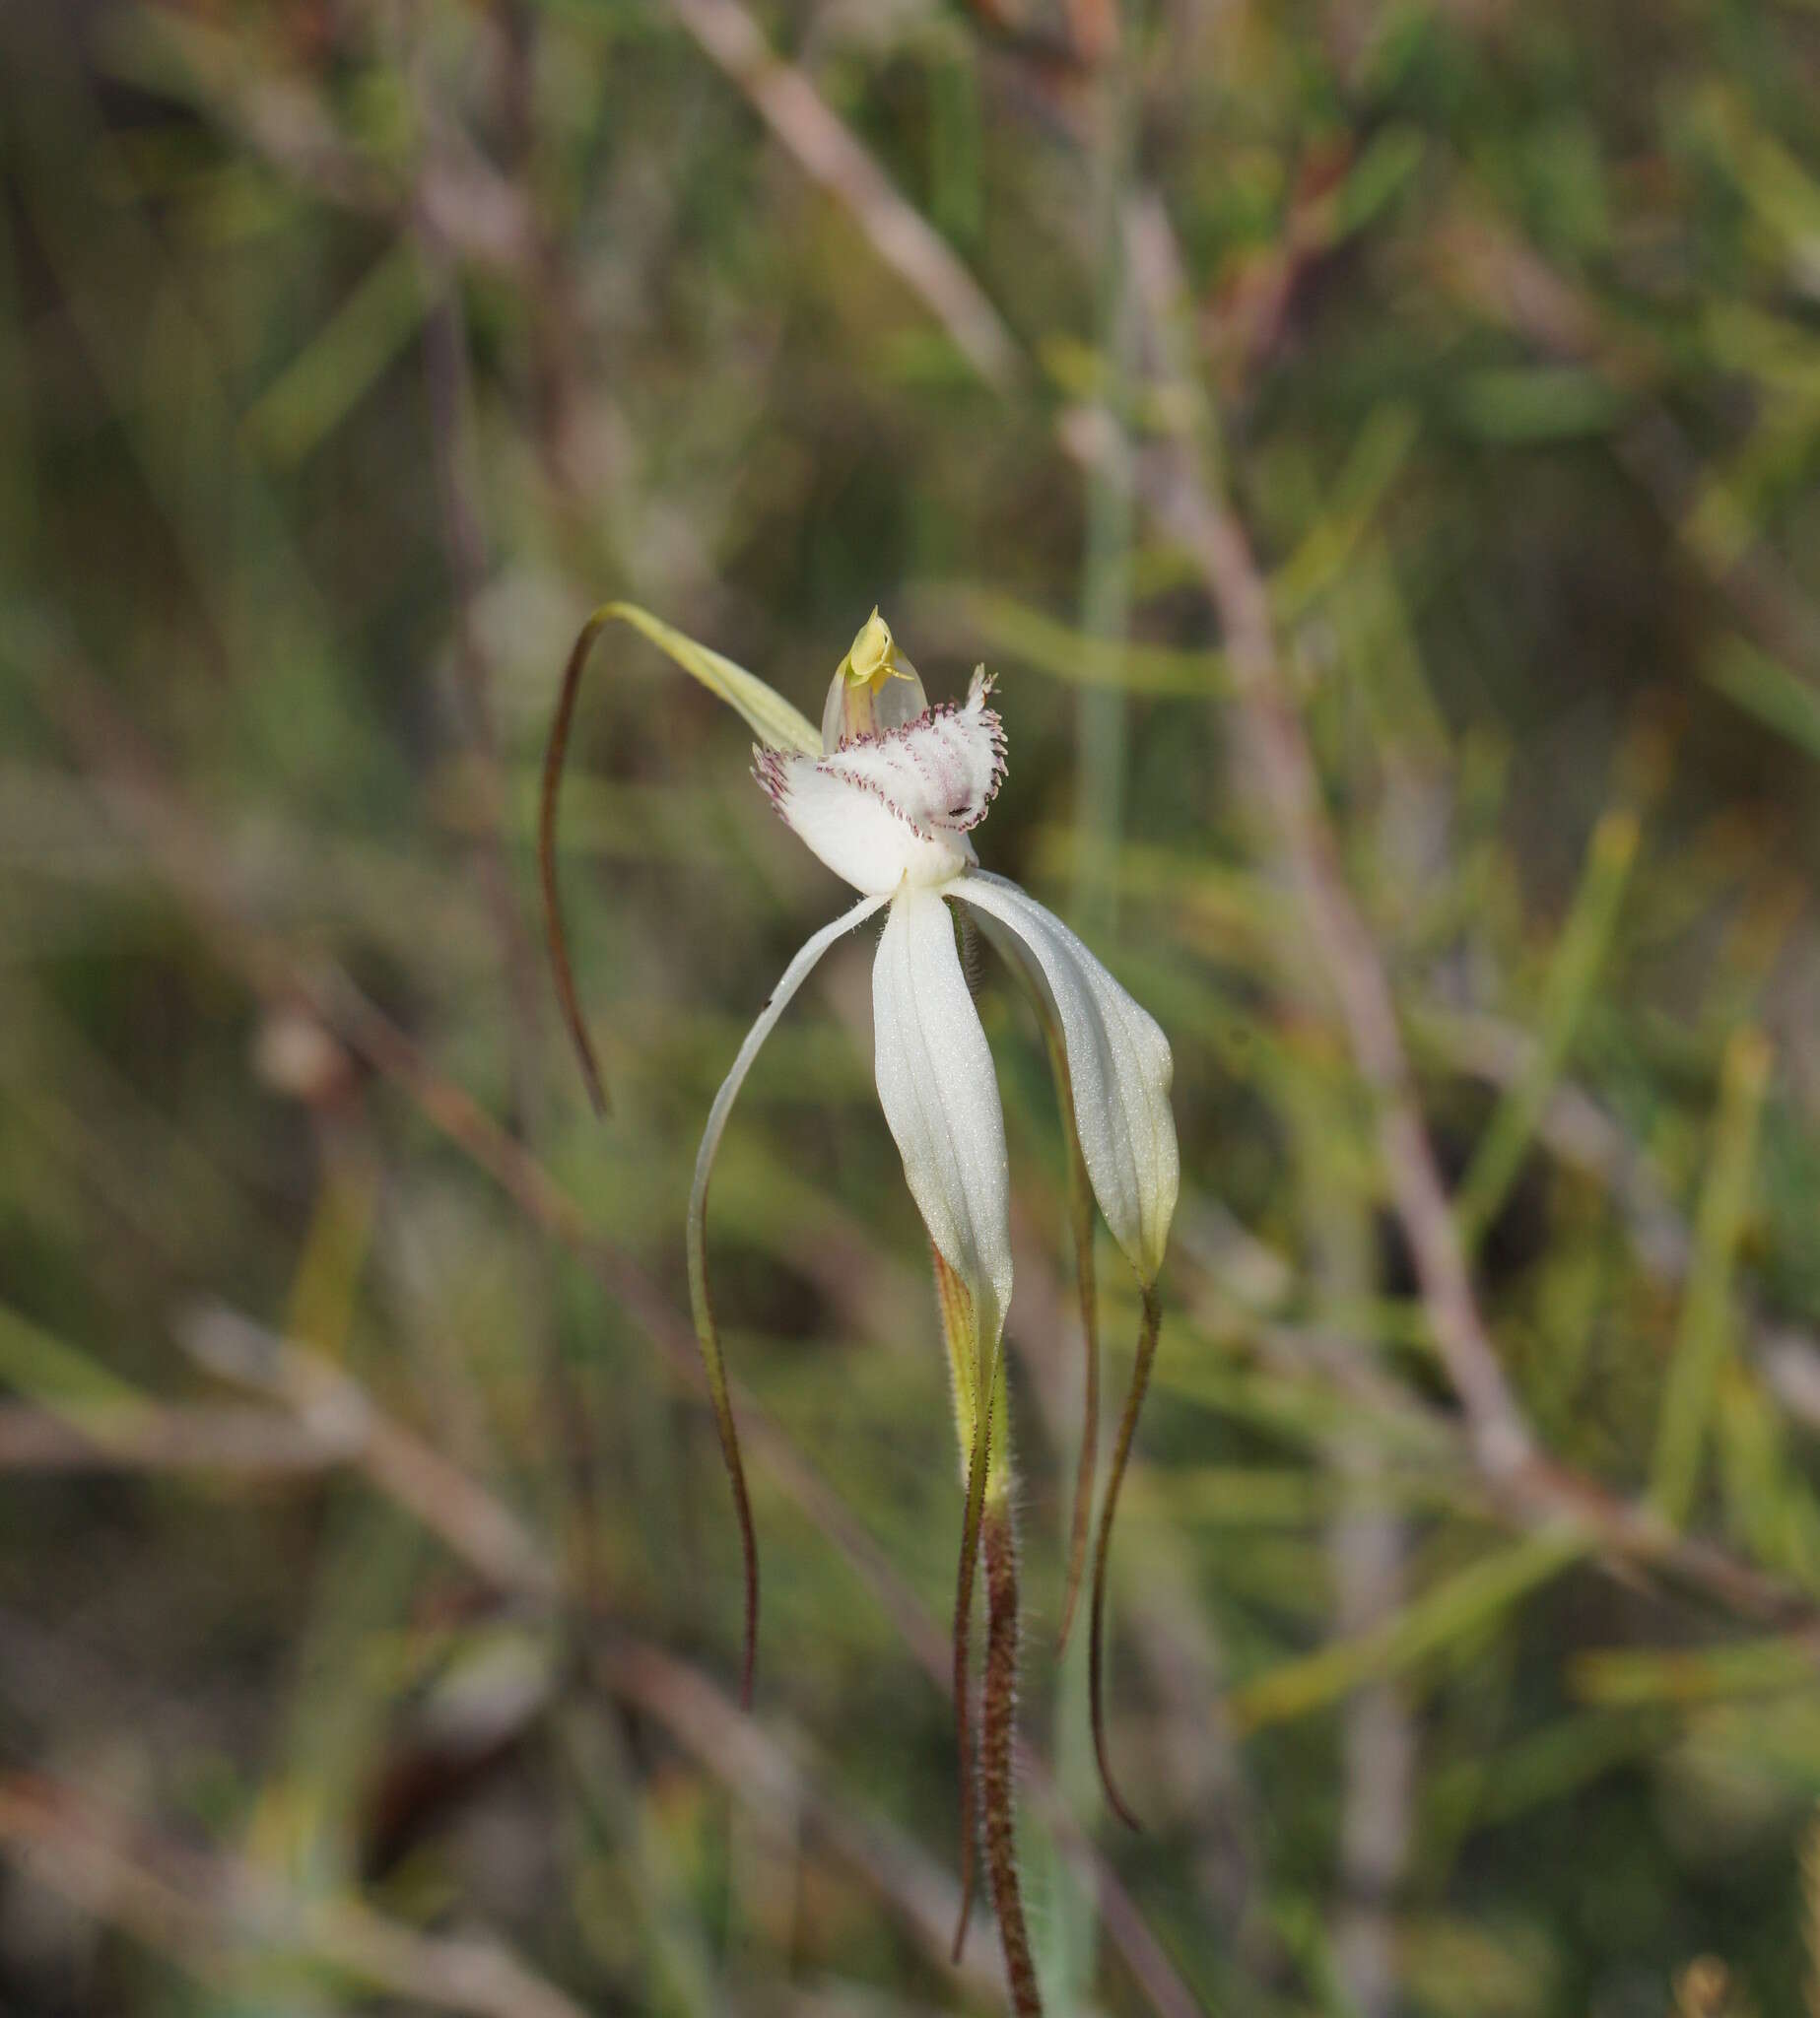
(888, 795)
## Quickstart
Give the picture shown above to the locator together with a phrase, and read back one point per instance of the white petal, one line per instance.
(706, 1332)
(936, 1086)
(899, 804)
(1119, 1063)
(793, 978)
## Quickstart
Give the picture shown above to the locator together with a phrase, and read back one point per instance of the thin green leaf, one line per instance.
(1762, 685)
(324, 383)
(1707, 1330)
(1460, 1605)
(1009, 629)
(1573, 974)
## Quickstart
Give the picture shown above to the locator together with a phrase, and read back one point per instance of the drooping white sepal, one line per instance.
(886, 808)
(1119, 1063)
(940, 1097)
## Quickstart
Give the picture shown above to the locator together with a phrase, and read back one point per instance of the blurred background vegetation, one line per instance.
(367, 1585)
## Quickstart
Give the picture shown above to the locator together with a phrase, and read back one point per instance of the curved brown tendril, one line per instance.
(1080, 1207)
(742, 1504)
(694, 1245)
(1121, 1450)
(554, 930)
(998, 1723)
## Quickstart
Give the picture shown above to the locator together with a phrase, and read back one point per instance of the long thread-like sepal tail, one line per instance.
(553, 928)
(1122, 1451)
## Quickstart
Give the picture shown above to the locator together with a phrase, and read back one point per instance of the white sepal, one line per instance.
(793, 978)
(1118, 1062)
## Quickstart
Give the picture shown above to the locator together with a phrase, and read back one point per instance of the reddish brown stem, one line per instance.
(1096, 1643)
(997, 1743)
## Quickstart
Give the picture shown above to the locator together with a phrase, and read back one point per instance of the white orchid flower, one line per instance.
(888, 796)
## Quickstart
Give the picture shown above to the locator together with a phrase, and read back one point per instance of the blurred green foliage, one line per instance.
(349, 353)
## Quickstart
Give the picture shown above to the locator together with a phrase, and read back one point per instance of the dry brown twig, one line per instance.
(1177, 493)
(827, 150)
(771, 1777)
(1482, 260)
(476, 1525)
(207, 1436)
(208, 1913)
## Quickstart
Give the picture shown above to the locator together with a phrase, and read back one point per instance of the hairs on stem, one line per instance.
(1122, 1451)
(997, 1731)
(959, 1326)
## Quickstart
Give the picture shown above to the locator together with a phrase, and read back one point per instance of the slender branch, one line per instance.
(469, 1518)
(202, 1911)
(827, 150)
(773, 1775)
(259, 1443)
(1481, 259)
(1173, 486)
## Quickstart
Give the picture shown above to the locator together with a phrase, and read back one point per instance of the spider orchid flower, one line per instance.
(889, 795)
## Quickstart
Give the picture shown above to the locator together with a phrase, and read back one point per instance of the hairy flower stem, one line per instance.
(976, 1391)
(997, 1731)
